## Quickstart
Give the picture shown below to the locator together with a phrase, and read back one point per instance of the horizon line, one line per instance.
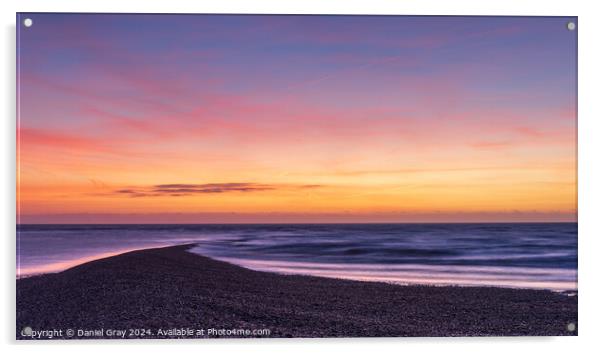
(303, 223)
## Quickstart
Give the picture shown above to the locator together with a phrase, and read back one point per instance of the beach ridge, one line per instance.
(172, 288)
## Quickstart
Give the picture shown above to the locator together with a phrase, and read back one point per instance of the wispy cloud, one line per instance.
(492, 144)
(191, 189)
(209, 188)
(46, 138)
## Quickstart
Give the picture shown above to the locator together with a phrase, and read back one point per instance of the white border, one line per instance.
(590, 172)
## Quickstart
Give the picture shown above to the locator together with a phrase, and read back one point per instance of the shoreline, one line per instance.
(81, 261)
(170, 286)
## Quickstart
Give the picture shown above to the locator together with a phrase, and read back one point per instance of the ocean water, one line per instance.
(523, 255)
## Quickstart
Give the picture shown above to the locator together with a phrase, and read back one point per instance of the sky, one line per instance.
(295, 119)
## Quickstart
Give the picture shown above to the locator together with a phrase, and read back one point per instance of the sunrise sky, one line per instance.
(246, 119)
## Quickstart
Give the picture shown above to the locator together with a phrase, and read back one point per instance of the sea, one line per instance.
(517, 255)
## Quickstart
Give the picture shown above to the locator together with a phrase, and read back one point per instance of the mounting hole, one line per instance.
(571, 26)
(571, 327)
(28, 22)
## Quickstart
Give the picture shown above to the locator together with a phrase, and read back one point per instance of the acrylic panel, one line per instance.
(257, 176)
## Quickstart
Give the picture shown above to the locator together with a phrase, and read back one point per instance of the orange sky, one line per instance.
(328, 132)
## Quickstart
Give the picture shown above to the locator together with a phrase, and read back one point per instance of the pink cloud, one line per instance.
(31, 137)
